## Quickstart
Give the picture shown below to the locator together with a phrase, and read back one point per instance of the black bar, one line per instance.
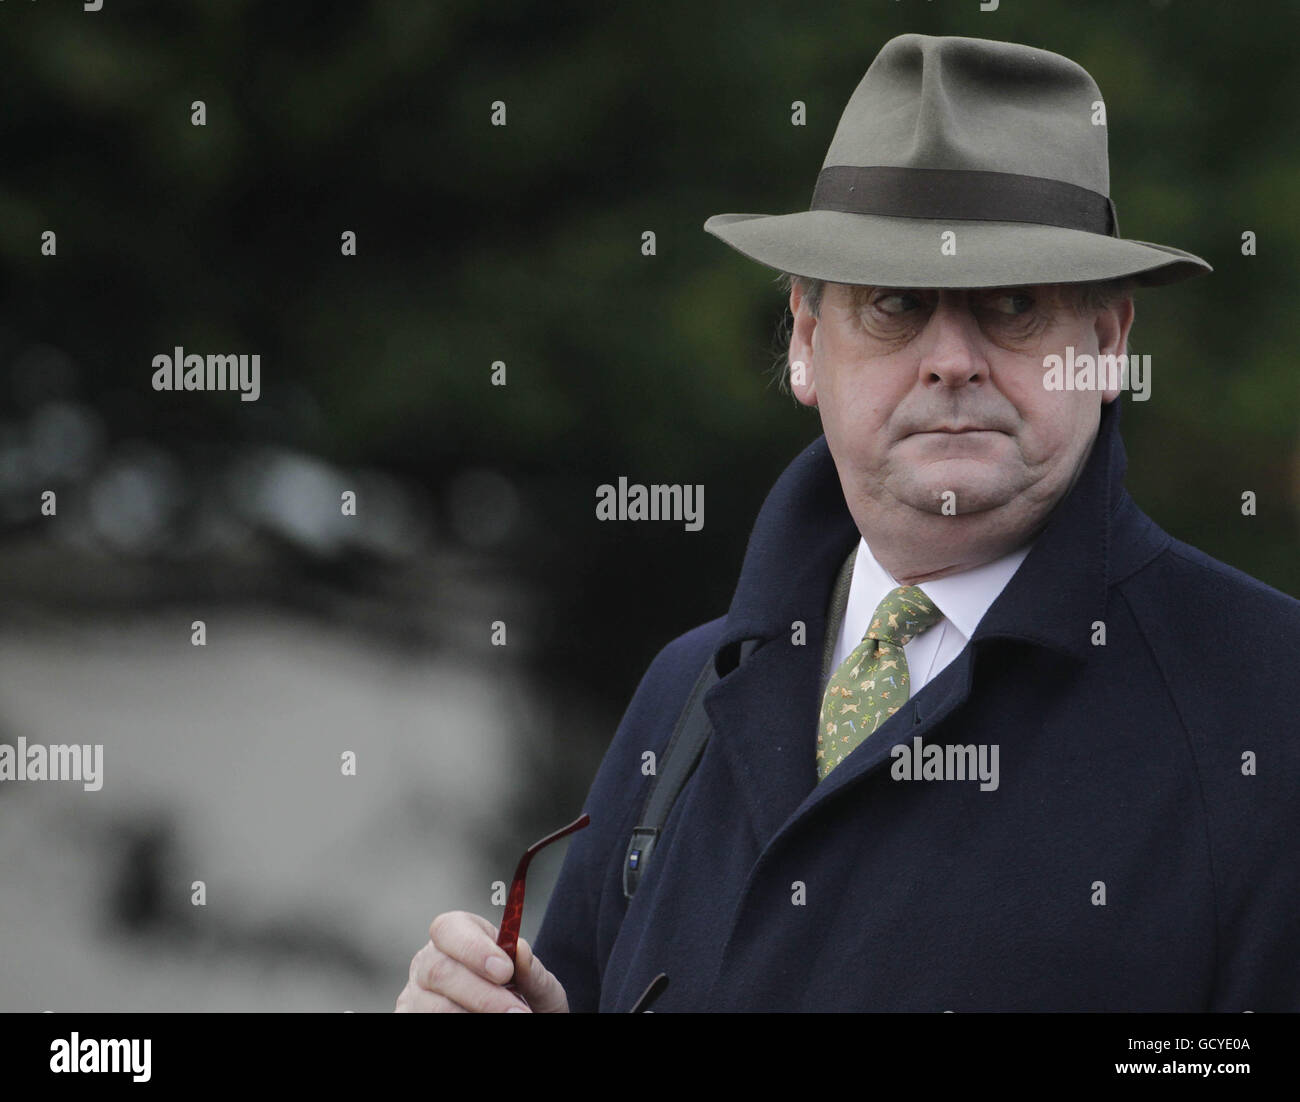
(963, 195)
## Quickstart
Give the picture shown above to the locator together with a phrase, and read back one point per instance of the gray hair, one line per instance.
(1091, 298)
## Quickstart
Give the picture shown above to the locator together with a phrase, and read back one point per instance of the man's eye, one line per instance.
(896, 302)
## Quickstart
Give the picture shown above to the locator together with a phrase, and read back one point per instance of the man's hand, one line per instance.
(461, 970)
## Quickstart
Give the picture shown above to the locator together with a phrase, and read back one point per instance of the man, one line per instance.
(984, 737)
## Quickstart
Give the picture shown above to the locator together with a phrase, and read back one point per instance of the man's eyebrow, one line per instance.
(863, 291)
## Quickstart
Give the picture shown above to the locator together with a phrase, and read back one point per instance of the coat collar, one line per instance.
(804, 531)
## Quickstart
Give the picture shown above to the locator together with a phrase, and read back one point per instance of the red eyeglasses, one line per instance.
(508, 937)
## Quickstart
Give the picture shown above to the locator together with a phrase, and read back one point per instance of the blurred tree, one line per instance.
(521, 244)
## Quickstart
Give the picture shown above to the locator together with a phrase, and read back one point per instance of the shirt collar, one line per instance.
(962, 598)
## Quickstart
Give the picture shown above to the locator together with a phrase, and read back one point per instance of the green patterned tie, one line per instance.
(872, 683)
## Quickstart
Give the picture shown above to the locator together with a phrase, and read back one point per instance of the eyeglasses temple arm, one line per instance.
(508, 937)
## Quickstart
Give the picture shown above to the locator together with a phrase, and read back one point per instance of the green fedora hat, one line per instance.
(1000, 143)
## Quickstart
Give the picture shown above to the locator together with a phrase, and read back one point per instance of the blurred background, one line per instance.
(475, 244)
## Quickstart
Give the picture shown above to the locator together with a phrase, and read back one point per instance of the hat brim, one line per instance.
(883, 251)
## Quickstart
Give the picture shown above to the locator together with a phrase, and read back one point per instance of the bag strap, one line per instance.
(686, 746)
(672, 771)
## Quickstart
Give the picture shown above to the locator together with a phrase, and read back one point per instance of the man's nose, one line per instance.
(952, 349)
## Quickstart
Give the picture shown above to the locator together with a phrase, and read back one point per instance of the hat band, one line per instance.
(963, 195)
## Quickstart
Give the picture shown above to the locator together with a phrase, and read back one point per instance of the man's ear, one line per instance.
(1112, 326)
(802, 381)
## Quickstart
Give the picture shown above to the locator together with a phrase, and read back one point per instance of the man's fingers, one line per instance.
(415, 1000)
(453, 922)
(440, 975)
(471, 940)
(463, 964)
(462, 969)
(543, 991)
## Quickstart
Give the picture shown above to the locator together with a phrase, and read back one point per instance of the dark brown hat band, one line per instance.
(963, 195)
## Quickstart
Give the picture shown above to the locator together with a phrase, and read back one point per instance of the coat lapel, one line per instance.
(764, 708)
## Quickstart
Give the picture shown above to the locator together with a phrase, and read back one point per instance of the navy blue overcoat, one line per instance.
(1139, 852)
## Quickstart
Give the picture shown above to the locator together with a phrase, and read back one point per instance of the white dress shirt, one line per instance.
(962, 598)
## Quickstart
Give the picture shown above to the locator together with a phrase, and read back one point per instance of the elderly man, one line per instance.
(975, 733)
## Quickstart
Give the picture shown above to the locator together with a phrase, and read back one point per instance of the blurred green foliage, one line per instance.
(522, 244)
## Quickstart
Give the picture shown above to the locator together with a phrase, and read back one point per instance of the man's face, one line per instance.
(922, 392)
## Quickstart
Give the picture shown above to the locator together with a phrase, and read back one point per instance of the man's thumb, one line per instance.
(536, 984)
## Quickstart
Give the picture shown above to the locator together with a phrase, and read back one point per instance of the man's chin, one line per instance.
(957, 496)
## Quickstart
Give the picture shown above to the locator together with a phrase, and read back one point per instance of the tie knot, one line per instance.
(902, 616)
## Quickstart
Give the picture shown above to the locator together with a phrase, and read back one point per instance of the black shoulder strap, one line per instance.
(686, 746)
(672, 771)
